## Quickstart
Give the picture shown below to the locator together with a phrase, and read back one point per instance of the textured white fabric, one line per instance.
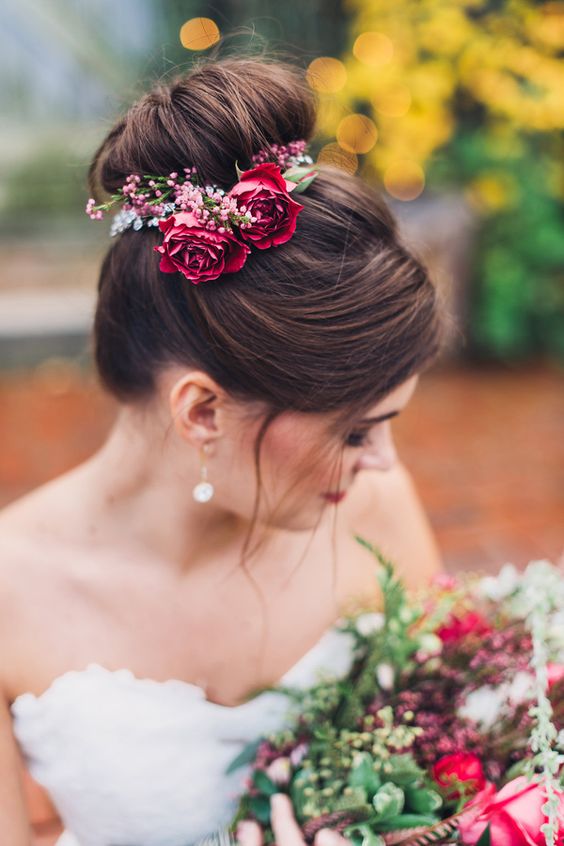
(137, 762)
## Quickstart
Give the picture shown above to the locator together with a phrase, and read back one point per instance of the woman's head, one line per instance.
(308, 337)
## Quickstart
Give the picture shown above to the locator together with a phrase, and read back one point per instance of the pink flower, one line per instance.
(457, 628)
(514, 814)
(279, 770)
(264, 193)
(198, 253)
(444, 581)
(554, 673)
(463, 767)
(298, 754)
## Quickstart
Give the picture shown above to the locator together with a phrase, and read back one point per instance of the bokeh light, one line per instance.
(404, 179)
(199, 33)
(326, 75)
(373, 49)
(333, 154)
(357, 133)
(393, 101)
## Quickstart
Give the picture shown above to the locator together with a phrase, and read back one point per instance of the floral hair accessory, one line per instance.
(207, 231)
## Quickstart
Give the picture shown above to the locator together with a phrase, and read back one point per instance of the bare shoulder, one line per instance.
(26, 580)
(386, 510)
(16, 575)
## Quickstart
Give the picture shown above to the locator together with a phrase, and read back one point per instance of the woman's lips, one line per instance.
(334, 497)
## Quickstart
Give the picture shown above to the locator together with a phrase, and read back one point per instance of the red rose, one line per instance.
(457, 628)
(514, 814)
(199, 254)
(265, 194)
(463, 767)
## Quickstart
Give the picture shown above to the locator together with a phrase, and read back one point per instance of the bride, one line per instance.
(207, 549)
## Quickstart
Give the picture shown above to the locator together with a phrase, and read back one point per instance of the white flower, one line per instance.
(521, 688)
(501, 586)
(122, 221)
(485, 704)
(385, 676)
(430, 644)
(368, 623)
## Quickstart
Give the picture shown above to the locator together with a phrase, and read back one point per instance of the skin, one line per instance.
(118, 551)
(285, 828)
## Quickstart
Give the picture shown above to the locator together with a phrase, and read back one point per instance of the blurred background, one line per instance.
(453, 109)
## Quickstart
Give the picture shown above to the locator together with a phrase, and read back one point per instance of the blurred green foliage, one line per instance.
(51, 181)
(517, 281)
(470, 94)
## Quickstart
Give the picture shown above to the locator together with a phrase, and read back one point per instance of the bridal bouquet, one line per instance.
(449, 727)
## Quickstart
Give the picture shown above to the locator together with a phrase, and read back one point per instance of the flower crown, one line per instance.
(207, 231)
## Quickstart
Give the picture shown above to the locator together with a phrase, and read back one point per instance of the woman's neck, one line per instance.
(139, 487)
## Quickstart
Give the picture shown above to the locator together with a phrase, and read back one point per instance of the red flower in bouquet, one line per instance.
(554, 673)
(461, 769)
(457, 628)
(198, 253)
(514, 814)
(264, 193)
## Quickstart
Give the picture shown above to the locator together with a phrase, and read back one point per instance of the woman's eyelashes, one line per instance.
(357, 439)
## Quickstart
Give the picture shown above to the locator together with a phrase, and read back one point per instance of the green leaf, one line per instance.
(246, 756)
(296, 173)
(239, 171)
(356, 799)
(485, 839)
(389, 801)
(298, 784)
(516, 769)
(305, 183)
(363, 775)
(263, 783)
(422, 800)
(260, 808)
(404, 769)
(362, 835)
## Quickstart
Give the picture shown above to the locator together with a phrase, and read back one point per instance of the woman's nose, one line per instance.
(380, 453)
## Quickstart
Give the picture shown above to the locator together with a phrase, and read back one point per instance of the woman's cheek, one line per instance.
(295, 456)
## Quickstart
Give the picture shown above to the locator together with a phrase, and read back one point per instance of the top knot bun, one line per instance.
(220, 112)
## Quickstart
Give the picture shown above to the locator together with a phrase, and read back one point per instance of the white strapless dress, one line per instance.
(129, 761)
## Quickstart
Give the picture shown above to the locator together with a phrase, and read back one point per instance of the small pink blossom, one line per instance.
(279, 770)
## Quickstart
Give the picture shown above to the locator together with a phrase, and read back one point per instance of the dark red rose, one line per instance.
(199, 254)
(264, 193)
(457, 628)
(463, 767)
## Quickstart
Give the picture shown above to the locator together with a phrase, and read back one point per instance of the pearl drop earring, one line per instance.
(203, 491)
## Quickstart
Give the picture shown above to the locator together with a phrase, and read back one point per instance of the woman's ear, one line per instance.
(196, 405)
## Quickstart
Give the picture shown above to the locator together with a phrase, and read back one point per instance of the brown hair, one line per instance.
(330, 321)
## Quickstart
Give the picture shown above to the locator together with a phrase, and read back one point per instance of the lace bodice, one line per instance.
(136, 762)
